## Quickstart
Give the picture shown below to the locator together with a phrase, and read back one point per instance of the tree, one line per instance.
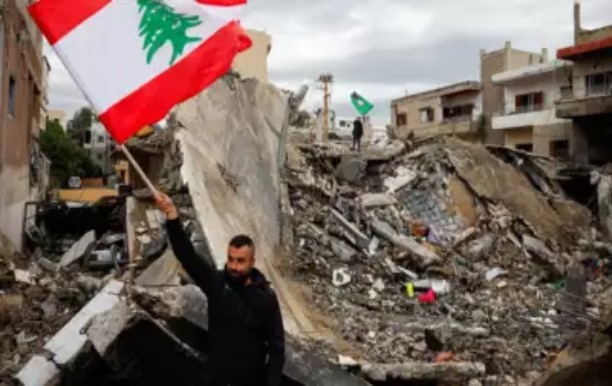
(160, 24)
(67, 158)
(80, 124)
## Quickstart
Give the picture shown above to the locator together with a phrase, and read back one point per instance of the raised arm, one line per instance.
(202, 270)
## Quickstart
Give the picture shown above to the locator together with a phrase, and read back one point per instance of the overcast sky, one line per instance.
(385, 48)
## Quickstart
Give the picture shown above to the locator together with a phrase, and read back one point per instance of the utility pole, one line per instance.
(326, 79)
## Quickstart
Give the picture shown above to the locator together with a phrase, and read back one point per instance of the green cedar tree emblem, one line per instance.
(160, 24)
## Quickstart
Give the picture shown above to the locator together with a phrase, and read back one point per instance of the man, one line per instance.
(247, 339)
(357, 134)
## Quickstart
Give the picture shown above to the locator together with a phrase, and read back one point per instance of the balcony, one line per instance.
(526, 116)
(598, 101)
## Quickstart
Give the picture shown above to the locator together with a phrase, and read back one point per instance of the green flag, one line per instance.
(361, 105)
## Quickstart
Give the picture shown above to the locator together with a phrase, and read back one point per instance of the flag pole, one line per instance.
(139, 170)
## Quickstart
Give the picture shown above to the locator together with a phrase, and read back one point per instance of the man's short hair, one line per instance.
(241, 241)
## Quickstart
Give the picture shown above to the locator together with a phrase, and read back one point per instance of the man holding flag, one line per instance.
(134, 60)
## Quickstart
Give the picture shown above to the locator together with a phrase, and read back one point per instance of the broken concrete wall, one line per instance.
(511, 188)
(230, 149)
(604, 198)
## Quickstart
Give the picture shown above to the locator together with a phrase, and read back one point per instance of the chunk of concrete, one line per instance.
(163, 271)
(374, 200)
(361, 240)
(39, 371)
(424, 257)
(350, 169)
(78, 250)
(604, 199)
(70, 340)
(448, 372)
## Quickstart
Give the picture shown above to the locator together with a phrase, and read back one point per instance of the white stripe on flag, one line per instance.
(105, 54)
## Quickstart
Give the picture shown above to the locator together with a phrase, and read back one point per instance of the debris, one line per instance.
(23, 277)
(341, 277)
(372, 200)
(350, 169)
(450, 372)
(78, 249)
(604, 200)
(428, 297)
(494, 273)
(39, 371)
(379, 285)
(163, 271)
(155, 218)
(424, 256)
(67, 343)
(360, 239)
(144, 239)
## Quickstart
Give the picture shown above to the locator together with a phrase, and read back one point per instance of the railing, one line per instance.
(528, 108)
(602, 89)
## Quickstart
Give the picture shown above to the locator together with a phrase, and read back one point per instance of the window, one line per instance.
(559, 149)
(402, 119)
(88, 137)
(12, 95)
(100, 139)
(457, 112)
(100, 156)
(525, 147)
(427, 115)
(527, 103)
(599, 84)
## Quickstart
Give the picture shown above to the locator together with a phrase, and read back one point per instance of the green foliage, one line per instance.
(67, 158)
(160, 24)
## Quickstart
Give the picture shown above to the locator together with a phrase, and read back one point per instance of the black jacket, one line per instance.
(357, 129)
(247, 339)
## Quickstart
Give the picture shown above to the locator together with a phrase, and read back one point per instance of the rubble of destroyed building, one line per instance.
(429, 262)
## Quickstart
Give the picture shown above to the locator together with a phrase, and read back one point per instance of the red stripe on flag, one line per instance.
(153, 100)
(222, 3)
(56, 18)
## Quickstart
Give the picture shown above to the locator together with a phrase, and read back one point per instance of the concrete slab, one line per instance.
(77, 250)
(163, 271)
(38, 372)
(70, 340)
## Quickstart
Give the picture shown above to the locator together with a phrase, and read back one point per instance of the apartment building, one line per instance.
(23, 168)
(253, 63)
(587, 101)
(493, 97)
(528, 118)
(452, 110)
(100, 146)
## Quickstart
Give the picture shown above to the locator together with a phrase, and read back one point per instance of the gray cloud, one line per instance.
(384, 48)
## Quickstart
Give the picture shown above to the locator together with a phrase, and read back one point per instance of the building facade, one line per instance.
(528, 117)
(253, 63)
(22, 165)
(57, 115)
(99, 146)
(588, 100)
(451, 110)
(496, 62)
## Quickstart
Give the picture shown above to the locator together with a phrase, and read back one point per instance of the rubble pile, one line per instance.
(35, 302)
(447, 253)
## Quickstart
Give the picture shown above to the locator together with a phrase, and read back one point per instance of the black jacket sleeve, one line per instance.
(276, 345)
(201, 268)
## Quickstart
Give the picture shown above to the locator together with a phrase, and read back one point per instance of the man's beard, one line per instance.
(237, 278)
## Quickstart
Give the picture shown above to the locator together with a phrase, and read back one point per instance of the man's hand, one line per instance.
(165, 204)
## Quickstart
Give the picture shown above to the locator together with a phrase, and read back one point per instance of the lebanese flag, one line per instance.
(136, 59)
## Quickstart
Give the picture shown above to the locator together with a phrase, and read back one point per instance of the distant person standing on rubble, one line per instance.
(247, 338)
(357, 134)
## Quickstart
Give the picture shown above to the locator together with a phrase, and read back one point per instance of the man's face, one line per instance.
(240, 262)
